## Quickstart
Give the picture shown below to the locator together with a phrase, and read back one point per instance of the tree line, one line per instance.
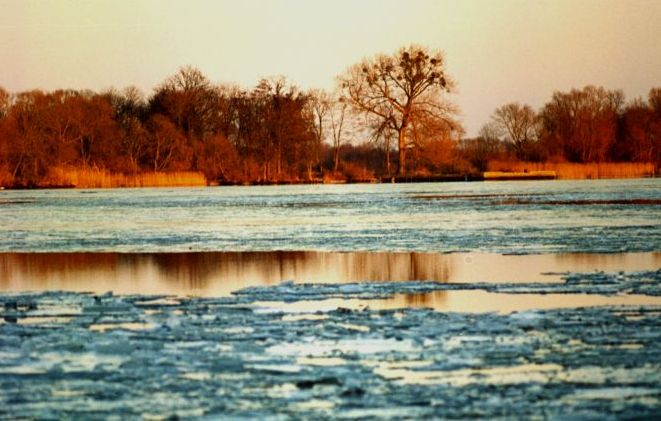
(391, 115)
(586, 125)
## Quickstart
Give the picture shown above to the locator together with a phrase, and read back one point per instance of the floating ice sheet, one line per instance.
(223, 358)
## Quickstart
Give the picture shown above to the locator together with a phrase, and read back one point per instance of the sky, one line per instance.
(498, 51)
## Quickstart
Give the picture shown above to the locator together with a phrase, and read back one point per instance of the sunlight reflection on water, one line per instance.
(220, 274)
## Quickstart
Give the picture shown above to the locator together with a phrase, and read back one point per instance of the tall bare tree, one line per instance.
(130, 112)
(480, 150)
(654, 99)
(318, 105)
(641, 139)
(519, 124)
(337, 113)
(582, 123)
(189, 100)
(399, 90)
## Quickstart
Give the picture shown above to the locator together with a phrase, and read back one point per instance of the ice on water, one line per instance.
(434, 217)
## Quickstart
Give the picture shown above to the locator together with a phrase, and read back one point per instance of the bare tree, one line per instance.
(399, 90)
(190, 101)
(485, 147)
(130, 112)
(582, 123)
(337, 112)
(654, 99)
(167, 146)
(28, 154)
(318, 105)
(519, 124)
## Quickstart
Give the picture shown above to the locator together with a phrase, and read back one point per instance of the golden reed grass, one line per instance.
(94, 178)
(496, 175)
(567, 170)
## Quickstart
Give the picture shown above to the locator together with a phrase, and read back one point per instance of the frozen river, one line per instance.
(423, 301)
(500, 217)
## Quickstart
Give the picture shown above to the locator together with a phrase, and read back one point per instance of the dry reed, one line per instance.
(513, 175)
(93, 178)
(567, 170)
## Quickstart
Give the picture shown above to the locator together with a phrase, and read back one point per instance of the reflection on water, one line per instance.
(218, 274)
(538, 373)
(463, 301)
(477, 301)
(103, 327)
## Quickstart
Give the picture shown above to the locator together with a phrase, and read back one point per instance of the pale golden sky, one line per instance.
(498, 50)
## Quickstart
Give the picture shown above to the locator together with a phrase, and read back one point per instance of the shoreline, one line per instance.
(491, 177)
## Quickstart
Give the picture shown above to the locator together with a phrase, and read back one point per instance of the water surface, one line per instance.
(500, 217)
(219, 274)
(314, 298)
(214, 274)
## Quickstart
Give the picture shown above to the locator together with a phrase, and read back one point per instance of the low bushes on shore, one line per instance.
(505, 170)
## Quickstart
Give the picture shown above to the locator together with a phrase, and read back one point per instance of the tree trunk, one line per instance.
(278, 163)
(337, 158)
(401, 166)
(388, 160)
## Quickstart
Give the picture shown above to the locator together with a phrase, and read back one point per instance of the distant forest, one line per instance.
(390, 116)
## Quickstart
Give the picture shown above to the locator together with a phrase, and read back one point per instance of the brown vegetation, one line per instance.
(583, 133)
(95, 178)
(566, 170)
(390, 117)
(520, 175)
(403, 95)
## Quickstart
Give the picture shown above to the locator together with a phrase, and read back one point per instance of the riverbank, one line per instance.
(498, 171)
(97, 178)
(574, 171)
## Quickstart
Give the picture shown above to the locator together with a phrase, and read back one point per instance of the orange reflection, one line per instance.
(220, 273)
(465, 301)
(479, 301)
